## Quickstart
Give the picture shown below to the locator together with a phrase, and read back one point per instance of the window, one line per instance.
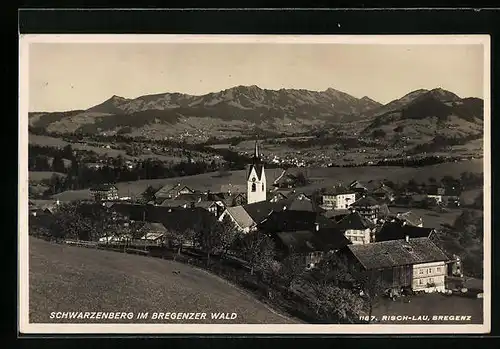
(420, 281)
(429, 271)
(431, 280)
(262, 186)
(254, 187)
(420, 271)
(438, 269)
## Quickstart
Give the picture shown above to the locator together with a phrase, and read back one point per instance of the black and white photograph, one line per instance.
(254, 184)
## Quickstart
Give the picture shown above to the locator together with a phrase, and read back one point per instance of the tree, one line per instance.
(228, 236)
(258, 250)
(371, 288)
(82, 221)
(149, 194)
(292, 269)
(58, 164)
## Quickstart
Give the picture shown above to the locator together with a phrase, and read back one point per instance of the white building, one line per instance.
(256, 179)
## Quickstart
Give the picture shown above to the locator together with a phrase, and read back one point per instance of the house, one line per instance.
(214, 207)
(177, 203)
(104, 192)
(368, 207)
(383, 193)
(277, 195)
(169, 192)
(411, 218)
(306, 233)
(240, 217)
(338, 198)
(416, 264)
(300, 202)
(399, 229)
(358, 187)
(356, 228)
(42, 207)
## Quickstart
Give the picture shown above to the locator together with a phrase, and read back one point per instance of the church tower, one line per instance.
(256, 179)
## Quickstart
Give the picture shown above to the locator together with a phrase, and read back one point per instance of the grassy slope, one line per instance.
(65, 278)
(41, 175)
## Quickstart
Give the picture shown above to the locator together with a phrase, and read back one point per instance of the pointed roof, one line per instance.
(256, 155)
(387, 254)
(354, 221)
(366, 201)
(398, 230)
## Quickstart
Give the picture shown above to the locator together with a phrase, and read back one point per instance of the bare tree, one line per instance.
(258, 250)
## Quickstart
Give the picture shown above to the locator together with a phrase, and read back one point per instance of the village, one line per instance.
(256, 224)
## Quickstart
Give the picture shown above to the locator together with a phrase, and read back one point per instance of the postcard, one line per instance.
(294, 184)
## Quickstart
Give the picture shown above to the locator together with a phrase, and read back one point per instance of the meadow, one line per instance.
(67, 278)
(320, 177)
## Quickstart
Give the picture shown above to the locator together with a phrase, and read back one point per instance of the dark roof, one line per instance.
(305, 241)
(387, 254)
(410, 217)
(189, 197)
(366, 201)
(258, 169)
(338, 190)
(103, 187)
(300, 202)
(336, 214)
(354, 221)
(283, 221)
(176, 203)
(383, 189)
(182, 218)
(260, 210)
(150, 227)
(398, 230)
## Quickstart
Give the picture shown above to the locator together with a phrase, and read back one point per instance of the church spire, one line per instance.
(256, 155)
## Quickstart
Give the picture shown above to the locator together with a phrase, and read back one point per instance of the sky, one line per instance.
(71, 76)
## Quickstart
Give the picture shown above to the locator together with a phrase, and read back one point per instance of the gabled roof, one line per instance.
(305, 241)
(241, 216)
(393, 253)
(354, 221)
(259, 170)
(288, 221)
(356, 185)
(366, 201)
(205, 204)
(169, 189)
(410, 217)
(338, 190)
(176, 203)
(398, 230)
(336, 213)
(190, 197)
(260, 210)
(383, 189)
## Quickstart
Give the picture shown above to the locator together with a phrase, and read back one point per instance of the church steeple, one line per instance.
(256, 155)
(256, 179)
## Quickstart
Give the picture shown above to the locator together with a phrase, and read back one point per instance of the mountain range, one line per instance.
(240, 108)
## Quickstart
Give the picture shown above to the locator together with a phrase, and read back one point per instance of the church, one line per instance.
(256, 179)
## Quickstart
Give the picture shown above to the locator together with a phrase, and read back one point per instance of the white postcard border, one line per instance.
(23, 277)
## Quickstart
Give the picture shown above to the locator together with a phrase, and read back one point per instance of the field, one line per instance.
(38, 176)
(321, 177)
(429, 305)
(66, 278)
